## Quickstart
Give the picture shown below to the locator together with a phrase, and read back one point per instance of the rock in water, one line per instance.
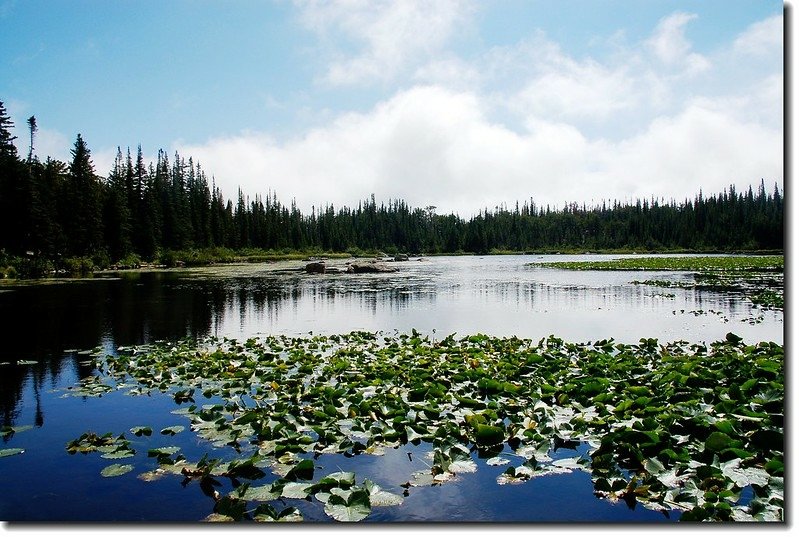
(317, 267)
(362, 268)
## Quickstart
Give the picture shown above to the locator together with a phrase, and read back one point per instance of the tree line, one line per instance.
(56, 212)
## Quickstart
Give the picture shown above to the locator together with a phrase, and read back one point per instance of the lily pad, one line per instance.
(354, 508)
(116, 470)
(153, 475)
(379, 497)
(172, 431)
(297, 491)
(216, 517)
(263, 493)
(717, 441)
(267, 513)
(163, 451)
(7, 452)
(119, 454)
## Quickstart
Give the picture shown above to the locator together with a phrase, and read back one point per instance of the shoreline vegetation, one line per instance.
(15, 268)
(67, 218)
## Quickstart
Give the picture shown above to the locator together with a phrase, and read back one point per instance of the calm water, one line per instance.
(496, 295)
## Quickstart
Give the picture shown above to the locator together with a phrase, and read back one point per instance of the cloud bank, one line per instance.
(654, 119)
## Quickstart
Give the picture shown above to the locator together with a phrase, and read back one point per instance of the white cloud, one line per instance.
(388, 36)
(431, 146)
(577, 90)
(528, 120)
(764, 38)
(671, 47)
(701, 148)
(450, 72)
(53, 144)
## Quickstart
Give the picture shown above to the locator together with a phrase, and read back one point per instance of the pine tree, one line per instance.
(82, 219)
(9, 177)
(116, 214)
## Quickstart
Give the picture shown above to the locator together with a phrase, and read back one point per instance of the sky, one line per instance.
(459, 104)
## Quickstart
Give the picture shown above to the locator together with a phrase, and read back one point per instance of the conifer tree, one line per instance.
(83, 221)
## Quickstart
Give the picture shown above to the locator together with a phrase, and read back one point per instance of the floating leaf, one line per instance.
(152, 475)
(116, 470)
(119, 454)
(264, 493)
(267, 513)
(17, 429)
(302, 470)
(163, 451)
(421, 478)
(717, 441)
(172, 431)
(7, 452)
(379, 497)
(297, 491)
(216, 517)
(462, 467)
(354, 508)
(743, 477)
(139, 431)
(488, 435)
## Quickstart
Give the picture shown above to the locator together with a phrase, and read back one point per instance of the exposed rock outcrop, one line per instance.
(371, 267)
(316, 267)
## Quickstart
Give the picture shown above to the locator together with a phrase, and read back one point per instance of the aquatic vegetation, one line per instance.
(116, 470)
(759, 278)
(680, 263)
(688, 427)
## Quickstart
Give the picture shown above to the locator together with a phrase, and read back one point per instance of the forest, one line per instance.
(66, 216)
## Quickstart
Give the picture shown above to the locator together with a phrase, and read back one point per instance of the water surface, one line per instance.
(495, 295)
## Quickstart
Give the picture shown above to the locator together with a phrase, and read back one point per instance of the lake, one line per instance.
(57, 324)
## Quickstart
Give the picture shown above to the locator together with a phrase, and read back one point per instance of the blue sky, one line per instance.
(454, 103)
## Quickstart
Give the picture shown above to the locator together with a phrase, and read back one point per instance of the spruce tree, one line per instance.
(83, 222)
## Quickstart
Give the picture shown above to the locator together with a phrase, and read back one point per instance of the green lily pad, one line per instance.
(153, 475)
(139, 431)
(120, 454)
(267, 513)
(7, 452)
(263, 493)
(379, 497)
(302, 470)
(163, 451)
(216, 517)
(172, 431)
(116, 470)
(717, 441)
(297, 491)
(354, 508)
(488, 435)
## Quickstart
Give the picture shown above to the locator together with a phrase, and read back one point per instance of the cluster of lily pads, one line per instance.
(689, 427)
(759, 278)
(6, 433)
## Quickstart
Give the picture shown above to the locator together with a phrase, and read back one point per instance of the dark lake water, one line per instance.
(495, 295)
